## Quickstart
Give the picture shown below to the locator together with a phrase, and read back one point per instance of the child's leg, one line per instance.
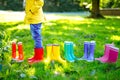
(38, 49)
(36, 34)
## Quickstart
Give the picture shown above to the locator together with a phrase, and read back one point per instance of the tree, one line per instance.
(95, 12)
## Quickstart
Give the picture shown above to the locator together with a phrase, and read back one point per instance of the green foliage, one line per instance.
(110, 4)
(11, 5)
(62, 5)
(4, 46)
(58, 31)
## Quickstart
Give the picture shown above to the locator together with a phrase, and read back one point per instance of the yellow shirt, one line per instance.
(34, 12)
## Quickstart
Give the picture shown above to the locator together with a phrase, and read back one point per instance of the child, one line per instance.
(34, 16)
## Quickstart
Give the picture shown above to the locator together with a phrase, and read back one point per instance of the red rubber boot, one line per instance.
(38, 56)
(13, 50)
(20, 52)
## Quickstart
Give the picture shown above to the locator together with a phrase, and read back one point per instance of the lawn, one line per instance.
(56, 31)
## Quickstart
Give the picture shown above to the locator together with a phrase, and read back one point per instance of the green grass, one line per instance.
(57, 31)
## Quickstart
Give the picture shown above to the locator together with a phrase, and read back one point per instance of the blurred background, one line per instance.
(60, 5)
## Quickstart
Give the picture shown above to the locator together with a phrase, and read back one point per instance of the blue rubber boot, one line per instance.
(91, 53)
(68, 49)
(86, 50)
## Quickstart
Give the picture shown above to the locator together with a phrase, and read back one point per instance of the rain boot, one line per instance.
(72, 52)
(86, 50)
(111, 55)
(68, 50)
(106, 52)
(38, 55)
(49, 53)
(56, 53)
(20, 52)
(13, 50)
(91, 53)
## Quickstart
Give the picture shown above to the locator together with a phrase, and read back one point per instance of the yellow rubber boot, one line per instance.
(56, 53)
(49, 53)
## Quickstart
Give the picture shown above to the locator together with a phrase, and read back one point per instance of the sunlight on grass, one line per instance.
(50, 24)
(65, 27)
(115, 37)
(71, 28)
(19, 27)
(110, 28)
(30, 71)
(58, 70)
(76, 28)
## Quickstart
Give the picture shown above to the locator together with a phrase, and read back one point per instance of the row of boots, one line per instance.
(53, 53)
(89, 48)
(110, 52)
(19, 56)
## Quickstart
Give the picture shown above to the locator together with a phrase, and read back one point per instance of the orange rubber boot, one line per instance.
(13, 50)
(20, 52)
(38, 55)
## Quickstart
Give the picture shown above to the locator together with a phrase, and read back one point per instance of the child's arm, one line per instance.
(37, 5)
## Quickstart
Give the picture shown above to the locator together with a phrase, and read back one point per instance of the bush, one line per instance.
(4, 47)
(15, 5)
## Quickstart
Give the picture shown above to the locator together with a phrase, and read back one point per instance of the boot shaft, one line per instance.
(39, 53)
(20, 51)
(69, 52)
(113, 54)
(107, 49)
(68, 47)
(20, 48)
(86, 49)
(56, 51)
(91, 51)
(49, 52)
(92, 48)
(13, 50)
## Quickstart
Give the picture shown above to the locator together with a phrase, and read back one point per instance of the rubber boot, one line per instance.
(20, 52)
(86, 50)
(38, 55)
(49, 53)
(111, 54)
(91, 53)
(13, 50)
(72, 52)
(56, 53)
(68, 50)
(106, 52)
